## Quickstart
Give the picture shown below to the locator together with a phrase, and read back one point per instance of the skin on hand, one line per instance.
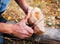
(21, 30)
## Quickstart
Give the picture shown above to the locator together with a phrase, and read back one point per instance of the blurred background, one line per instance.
(50, 9)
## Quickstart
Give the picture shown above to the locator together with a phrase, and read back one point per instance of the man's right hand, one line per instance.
(21, 30)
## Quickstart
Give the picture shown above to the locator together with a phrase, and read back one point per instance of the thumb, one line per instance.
(25, 18)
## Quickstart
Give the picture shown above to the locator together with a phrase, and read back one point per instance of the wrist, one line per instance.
(7, 28)
(25, 8)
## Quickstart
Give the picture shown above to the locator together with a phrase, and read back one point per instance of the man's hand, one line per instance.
(28, 10)
(21, 30)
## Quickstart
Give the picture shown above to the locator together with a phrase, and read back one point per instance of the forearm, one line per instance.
(22, 4)
(5, 28)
